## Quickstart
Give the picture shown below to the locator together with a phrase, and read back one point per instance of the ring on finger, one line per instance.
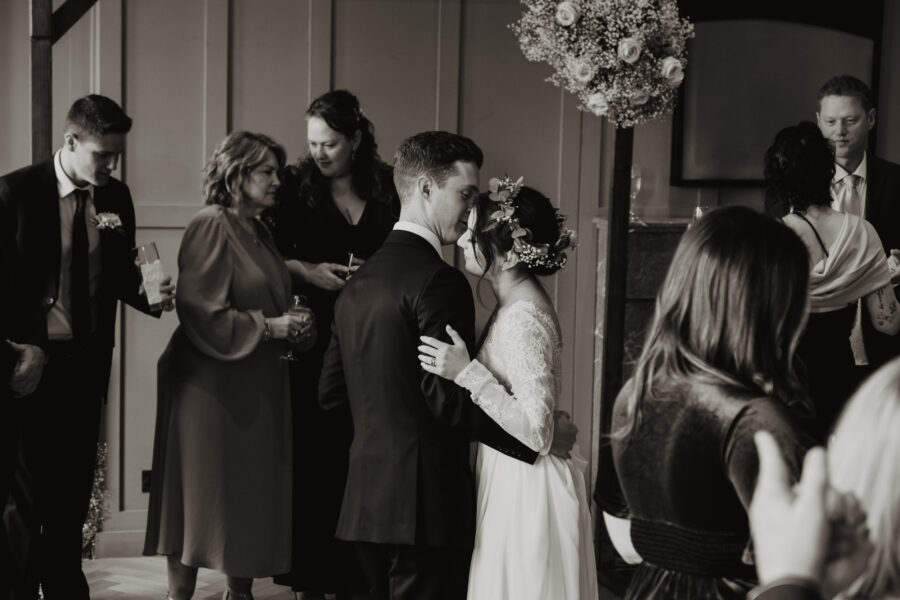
(432, 362)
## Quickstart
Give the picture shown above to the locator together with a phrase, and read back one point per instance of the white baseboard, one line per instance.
(116, 544)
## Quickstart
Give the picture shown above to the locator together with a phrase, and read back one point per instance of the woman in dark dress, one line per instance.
(337, 201)
(847, 263)
(716, 367)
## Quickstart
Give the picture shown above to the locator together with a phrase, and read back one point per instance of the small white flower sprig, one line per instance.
(504, 192)
(107, 220)
(624, 59)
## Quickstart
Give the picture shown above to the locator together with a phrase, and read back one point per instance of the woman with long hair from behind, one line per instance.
(716, 366)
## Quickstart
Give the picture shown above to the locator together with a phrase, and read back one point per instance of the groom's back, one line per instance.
(408, 481)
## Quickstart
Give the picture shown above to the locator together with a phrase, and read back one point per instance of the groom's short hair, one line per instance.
(432, 153)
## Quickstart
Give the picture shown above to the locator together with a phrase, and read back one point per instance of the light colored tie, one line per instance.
(846, 195)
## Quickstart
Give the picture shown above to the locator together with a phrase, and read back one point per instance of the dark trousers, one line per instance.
(9, 441)
(397, 572)
(58, 450)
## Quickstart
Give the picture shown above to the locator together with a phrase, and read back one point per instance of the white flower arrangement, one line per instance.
(624, 59)
(107, 220)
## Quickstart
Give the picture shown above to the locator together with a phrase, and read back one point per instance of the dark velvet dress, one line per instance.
(687, 474)
(320, 233)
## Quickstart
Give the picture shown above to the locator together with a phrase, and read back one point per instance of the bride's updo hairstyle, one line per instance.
(729, 314)
(535, 213)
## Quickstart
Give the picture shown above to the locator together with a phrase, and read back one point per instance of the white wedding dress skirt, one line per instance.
(533, 534)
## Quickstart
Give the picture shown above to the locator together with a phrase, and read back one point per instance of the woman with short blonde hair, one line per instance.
(863, 460)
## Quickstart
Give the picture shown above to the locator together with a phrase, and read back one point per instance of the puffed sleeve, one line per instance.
(526, 410)
(741, 460)
(205, 271)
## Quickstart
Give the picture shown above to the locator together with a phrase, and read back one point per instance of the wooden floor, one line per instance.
(144, 578)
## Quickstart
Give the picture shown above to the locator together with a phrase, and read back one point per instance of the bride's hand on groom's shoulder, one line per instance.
(443, 359)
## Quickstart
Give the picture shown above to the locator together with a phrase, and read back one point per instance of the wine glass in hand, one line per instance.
(296, 338)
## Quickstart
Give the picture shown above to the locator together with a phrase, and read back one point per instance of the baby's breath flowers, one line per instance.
(624, 59)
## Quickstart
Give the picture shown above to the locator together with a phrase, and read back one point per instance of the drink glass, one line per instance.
(299, 307)
(152, 274)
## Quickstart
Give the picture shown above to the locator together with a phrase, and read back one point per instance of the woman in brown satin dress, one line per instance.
(221, 491)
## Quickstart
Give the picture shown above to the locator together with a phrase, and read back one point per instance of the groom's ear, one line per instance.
(424, 185)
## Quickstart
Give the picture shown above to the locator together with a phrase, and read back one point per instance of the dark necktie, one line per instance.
(80, 293)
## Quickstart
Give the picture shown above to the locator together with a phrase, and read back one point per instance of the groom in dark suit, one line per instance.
(74, 227)
(409, 501)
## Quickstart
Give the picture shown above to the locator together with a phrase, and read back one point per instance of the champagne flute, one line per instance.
(349, 265)
(635, 190)
(300, 308)
(146, 257)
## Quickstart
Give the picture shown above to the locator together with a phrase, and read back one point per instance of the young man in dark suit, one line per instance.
(409, 501)
(74, 228)
(22, 336)
(863, 185)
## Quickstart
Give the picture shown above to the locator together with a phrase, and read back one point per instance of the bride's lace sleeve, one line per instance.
(526, 410)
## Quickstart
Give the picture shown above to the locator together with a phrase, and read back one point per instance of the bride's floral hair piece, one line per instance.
(535, 255)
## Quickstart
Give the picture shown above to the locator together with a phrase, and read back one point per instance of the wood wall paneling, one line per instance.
(270, 70)
(164, 94)
(15, 98)
(386, 52)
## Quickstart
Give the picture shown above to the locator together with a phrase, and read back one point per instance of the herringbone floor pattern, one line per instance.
(144, 578)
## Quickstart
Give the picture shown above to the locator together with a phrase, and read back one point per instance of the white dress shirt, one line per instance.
(845, 200)
(59, 318)
(420, 231)
(839, 191)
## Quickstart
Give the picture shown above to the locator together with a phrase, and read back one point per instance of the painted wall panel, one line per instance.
(15, 86)
(270, 72)
(386, 52)
(163, 62)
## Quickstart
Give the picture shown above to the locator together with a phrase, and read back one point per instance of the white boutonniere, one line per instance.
(107, 220)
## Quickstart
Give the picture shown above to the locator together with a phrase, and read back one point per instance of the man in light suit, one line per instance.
(863, 185)
(74, 228)
(409, 501)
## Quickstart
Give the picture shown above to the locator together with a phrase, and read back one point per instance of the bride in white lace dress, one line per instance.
(533, 536)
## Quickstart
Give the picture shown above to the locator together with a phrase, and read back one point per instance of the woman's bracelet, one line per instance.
(267, 333)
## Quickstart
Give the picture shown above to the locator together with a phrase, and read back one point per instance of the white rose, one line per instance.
(639, 97)
(672, 70)
(581, 70)
(567, 13)
(629, 50)
(598, 104)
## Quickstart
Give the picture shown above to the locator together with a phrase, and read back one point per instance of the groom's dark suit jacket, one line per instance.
(29, 200)
(409, 480)
(883, 212)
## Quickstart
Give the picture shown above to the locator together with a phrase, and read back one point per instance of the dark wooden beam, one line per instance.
(67, 15)
(612, 571)
(617, 265)
(41, 79)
